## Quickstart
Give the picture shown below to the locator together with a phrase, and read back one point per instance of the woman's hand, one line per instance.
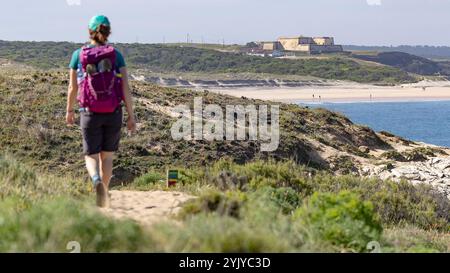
(131, 125)
(70, 118)
(71, 97)
(131, 122)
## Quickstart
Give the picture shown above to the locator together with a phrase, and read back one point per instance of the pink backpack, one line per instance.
(100, 90)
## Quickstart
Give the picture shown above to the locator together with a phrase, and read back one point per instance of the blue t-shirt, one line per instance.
(75, 63)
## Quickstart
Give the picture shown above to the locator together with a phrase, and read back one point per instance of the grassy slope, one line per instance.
(403, 61)
(431, 52)
(32, 108)
(191, 59)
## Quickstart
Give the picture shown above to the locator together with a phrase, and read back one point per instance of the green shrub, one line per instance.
(396, 203)
(343, 164)
(286, 199)
(340, 219)
(393, 155)
(286, 174)
(413, 239)
(401, 203)
(22, 182)
(213, 233)
(416, 154)
(248, 177)
(48, 226)
(145, 180)
(14, 175)
(430, 151)
(226, 204)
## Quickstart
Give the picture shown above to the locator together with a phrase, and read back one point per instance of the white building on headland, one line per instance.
(309, 45)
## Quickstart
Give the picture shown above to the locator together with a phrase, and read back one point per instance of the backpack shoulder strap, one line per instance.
(83, 56)
(114, 54)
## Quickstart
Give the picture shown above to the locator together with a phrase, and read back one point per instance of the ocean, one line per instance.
(427, 122)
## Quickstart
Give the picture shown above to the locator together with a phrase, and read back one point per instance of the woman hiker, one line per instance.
(99, 76)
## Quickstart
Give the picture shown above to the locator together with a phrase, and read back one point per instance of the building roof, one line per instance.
(296, 37)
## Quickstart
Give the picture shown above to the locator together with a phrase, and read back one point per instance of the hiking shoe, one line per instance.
(102, 195)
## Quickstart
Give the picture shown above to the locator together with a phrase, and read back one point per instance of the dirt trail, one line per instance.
(145, 207)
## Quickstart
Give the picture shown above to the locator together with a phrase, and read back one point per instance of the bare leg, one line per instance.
(106, 167)
(92, 164)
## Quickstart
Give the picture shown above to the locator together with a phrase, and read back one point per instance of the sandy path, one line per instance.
(145, 207)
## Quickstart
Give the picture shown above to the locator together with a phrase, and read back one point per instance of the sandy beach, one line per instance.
(348, 92)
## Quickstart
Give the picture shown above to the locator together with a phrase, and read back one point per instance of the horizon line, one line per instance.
(194, 43)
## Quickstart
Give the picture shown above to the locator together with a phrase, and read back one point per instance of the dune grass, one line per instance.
(303, 211)
(279, 209)
(43, 213)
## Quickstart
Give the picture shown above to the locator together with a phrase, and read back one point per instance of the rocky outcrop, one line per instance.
(434, 172)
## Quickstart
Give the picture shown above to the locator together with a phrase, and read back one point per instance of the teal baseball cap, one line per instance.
(98, 20)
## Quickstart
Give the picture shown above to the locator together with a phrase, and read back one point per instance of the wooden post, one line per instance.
(172, 178)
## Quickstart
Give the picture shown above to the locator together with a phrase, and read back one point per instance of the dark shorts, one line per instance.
(101, 132)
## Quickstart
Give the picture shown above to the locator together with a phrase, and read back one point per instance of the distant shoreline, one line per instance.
(423, 91)
(378, 100)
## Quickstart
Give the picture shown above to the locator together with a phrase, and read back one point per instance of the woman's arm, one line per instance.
(131, 122)
(71, 97)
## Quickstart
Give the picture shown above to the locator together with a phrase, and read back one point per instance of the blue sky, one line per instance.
(362, 22)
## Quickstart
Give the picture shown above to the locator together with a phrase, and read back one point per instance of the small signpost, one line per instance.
(172, 178)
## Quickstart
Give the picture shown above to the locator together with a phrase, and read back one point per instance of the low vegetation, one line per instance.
(43, 213)
(431, 52)
(32, 105)
(281, 209)
(416, 154)
(404, 61)
(170, 58)
(248, 201)
(395, 203)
